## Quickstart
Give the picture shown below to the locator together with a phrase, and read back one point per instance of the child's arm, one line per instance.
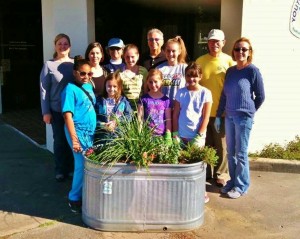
(205, 113)
(175, 116)
(140, 110)
(199, 140)
(168, 120)
(168, 135)
(71, 129)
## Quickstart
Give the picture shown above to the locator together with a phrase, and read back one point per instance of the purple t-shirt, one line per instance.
(154, 112)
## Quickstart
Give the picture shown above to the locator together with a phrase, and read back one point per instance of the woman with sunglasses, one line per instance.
(55, 75)
(242, 95)
(78, 102)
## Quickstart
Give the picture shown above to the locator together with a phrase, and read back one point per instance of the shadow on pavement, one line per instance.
(27, 184)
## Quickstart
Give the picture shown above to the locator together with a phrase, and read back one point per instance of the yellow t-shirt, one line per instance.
(213, 75)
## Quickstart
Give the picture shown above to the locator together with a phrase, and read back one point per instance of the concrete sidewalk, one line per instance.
(33, 205)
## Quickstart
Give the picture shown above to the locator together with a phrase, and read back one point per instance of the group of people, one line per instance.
(195, 102)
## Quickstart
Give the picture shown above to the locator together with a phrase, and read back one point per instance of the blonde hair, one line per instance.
(130, 46)
(183, 53)
(154, 72)
(57, 38)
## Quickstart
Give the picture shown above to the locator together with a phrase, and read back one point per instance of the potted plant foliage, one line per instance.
(138, 182)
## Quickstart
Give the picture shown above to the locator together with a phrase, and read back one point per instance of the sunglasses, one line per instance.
(239, 49)
(114, 48)
(83, 73)
(154, 39)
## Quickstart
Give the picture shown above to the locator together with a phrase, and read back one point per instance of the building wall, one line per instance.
(72, 17)
(231, 22)
(277, 54)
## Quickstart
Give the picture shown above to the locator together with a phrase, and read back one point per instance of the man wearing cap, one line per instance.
(214, 66)
(114, 49)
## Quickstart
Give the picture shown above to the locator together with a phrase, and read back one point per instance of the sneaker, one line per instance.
(75, 206)
(225, 190)
(233, 193)
(59, 177)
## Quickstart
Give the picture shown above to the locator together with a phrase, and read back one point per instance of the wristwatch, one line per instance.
(201, 134)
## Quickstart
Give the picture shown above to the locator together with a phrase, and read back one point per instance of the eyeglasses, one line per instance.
(114, 48)
(83, 73)
(154, 39)
(239, 49)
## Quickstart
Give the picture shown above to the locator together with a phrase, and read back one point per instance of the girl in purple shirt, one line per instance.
(154, 106)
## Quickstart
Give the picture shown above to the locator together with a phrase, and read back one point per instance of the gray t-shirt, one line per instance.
(54, 77)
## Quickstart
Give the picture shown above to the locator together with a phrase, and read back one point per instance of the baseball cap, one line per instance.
(216, 34)
(116, 42)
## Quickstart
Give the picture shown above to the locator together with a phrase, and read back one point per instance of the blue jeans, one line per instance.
(238, 130)
(63, 157)
(86, 141)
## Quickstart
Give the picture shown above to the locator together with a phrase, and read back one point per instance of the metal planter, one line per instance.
(161, 198)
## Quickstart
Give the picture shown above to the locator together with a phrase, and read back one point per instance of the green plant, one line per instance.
(291, 150)
(193, 154)
(134, 142)
(167, 154)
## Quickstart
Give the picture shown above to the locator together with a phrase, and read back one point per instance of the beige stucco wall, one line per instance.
(231, 21)
(277, 54)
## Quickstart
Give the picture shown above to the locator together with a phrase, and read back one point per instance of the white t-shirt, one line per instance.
(191, 106)
(174, 79)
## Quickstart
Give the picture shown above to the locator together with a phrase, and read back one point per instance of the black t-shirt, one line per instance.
(148, 62)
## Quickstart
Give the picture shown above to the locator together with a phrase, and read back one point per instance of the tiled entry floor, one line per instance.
(28, 121)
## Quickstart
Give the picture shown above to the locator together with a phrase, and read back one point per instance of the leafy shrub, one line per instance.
(291, 150)
(134, 142)
(192, 154)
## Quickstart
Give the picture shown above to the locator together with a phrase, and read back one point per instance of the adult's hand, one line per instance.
(217, 124)
(47, 118)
